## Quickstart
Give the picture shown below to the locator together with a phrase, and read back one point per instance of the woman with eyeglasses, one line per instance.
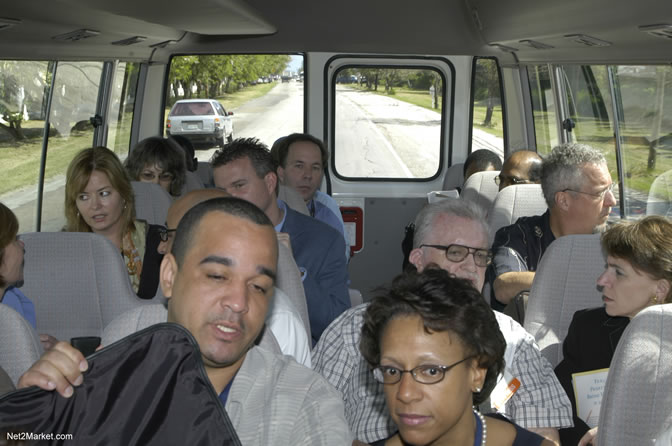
(155, 160)
(99, 199)
(638, 274)
(435, 345)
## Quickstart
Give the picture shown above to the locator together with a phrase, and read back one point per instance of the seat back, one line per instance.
(142, 317)
(289, 281)
(191, 182)
(637, 401)
(204, 172)
(513, 202)
(293, 199)
(659, 201)
(151, 202)
(564, 283)
(19, 343)
(77, 281)
(481, 189)
(454, 177)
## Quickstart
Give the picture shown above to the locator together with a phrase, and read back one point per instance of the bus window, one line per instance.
(122, 101)
(387, 122)
(261, 94)
(543, 108)
(487, 121)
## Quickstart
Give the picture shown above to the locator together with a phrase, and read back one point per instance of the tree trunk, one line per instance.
(488, 113)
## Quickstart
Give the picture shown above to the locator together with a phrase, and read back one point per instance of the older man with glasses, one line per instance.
(577, 187)
(452, 235)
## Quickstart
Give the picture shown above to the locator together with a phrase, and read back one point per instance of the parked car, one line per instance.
(202, 121)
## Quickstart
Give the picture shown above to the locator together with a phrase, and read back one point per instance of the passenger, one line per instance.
(577, 188)
(521, 167)
(219, 279)
(99, 199)
(439, 331)
(451, 234)
(638, 274)
(283, 318)
(191, 162)
(481, 161)
(155, 160)
(301, 159)
(11, 273)
(245, 169)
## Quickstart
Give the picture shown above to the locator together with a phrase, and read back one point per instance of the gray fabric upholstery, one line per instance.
(143, 317)
(565, 282)
(191, 182)
(659, 201)
(6, 384)
(151, 202)
(454, 177)
(204, 172)
(637, 401)
(19, 343)
(513, 202)
(355, 297)
(289, 281)
(293, 199)
(481, 189)
(77, 281)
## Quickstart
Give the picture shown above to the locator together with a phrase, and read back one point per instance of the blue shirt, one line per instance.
(225, 393)
(15, 299)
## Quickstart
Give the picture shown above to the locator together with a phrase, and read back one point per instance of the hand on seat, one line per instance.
(58, 369)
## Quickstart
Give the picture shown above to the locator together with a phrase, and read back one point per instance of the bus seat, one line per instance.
(19, 343)
(513, 202)
(289, 281)
(454, 177)
(293, 199)
(142, 317)
(77, 281)
(151, 202)
(355, 297)
(659, 201)
(637, 398)
(191, 182)
(204, 172)
(481, 189)
(564, 283)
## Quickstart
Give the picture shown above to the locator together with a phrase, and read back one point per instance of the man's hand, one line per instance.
(58, 369)
(48, 342)
(283, 238)
(590, 437)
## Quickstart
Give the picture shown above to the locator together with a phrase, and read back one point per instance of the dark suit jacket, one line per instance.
(589, 345)
(318, 250)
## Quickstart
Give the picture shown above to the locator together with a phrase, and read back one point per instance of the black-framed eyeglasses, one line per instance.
(163, 233)
(424, 374)
(150, 176)
(514, 180)
(457, 253)
(600, 195)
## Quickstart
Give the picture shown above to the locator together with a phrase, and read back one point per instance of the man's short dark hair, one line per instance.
(256, 151)
(444, 303)
(280, 149)
(482, 159)
(228, 205)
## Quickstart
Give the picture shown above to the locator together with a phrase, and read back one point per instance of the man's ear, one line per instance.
(167, 273)
(271, 181)
(281, 174)
(417, 259)
(562, 200)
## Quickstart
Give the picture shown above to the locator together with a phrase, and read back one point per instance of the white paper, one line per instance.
(588, 392)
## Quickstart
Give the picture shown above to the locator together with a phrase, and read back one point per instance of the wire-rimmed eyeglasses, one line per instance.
(514, 180)
(600, 195)
(164, 232)
(456, 253)
(424, 374)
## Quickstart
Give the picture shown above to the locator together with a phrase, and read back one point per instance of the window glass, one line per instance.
(645, 123)
(24, 89)
(122, 102)
(387, 122)
(263, 91)
(543, 108)
(487, 126)
(73, 103)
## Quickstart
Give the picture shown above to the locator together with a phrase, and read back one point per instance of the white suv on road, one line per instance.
(202, 121)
